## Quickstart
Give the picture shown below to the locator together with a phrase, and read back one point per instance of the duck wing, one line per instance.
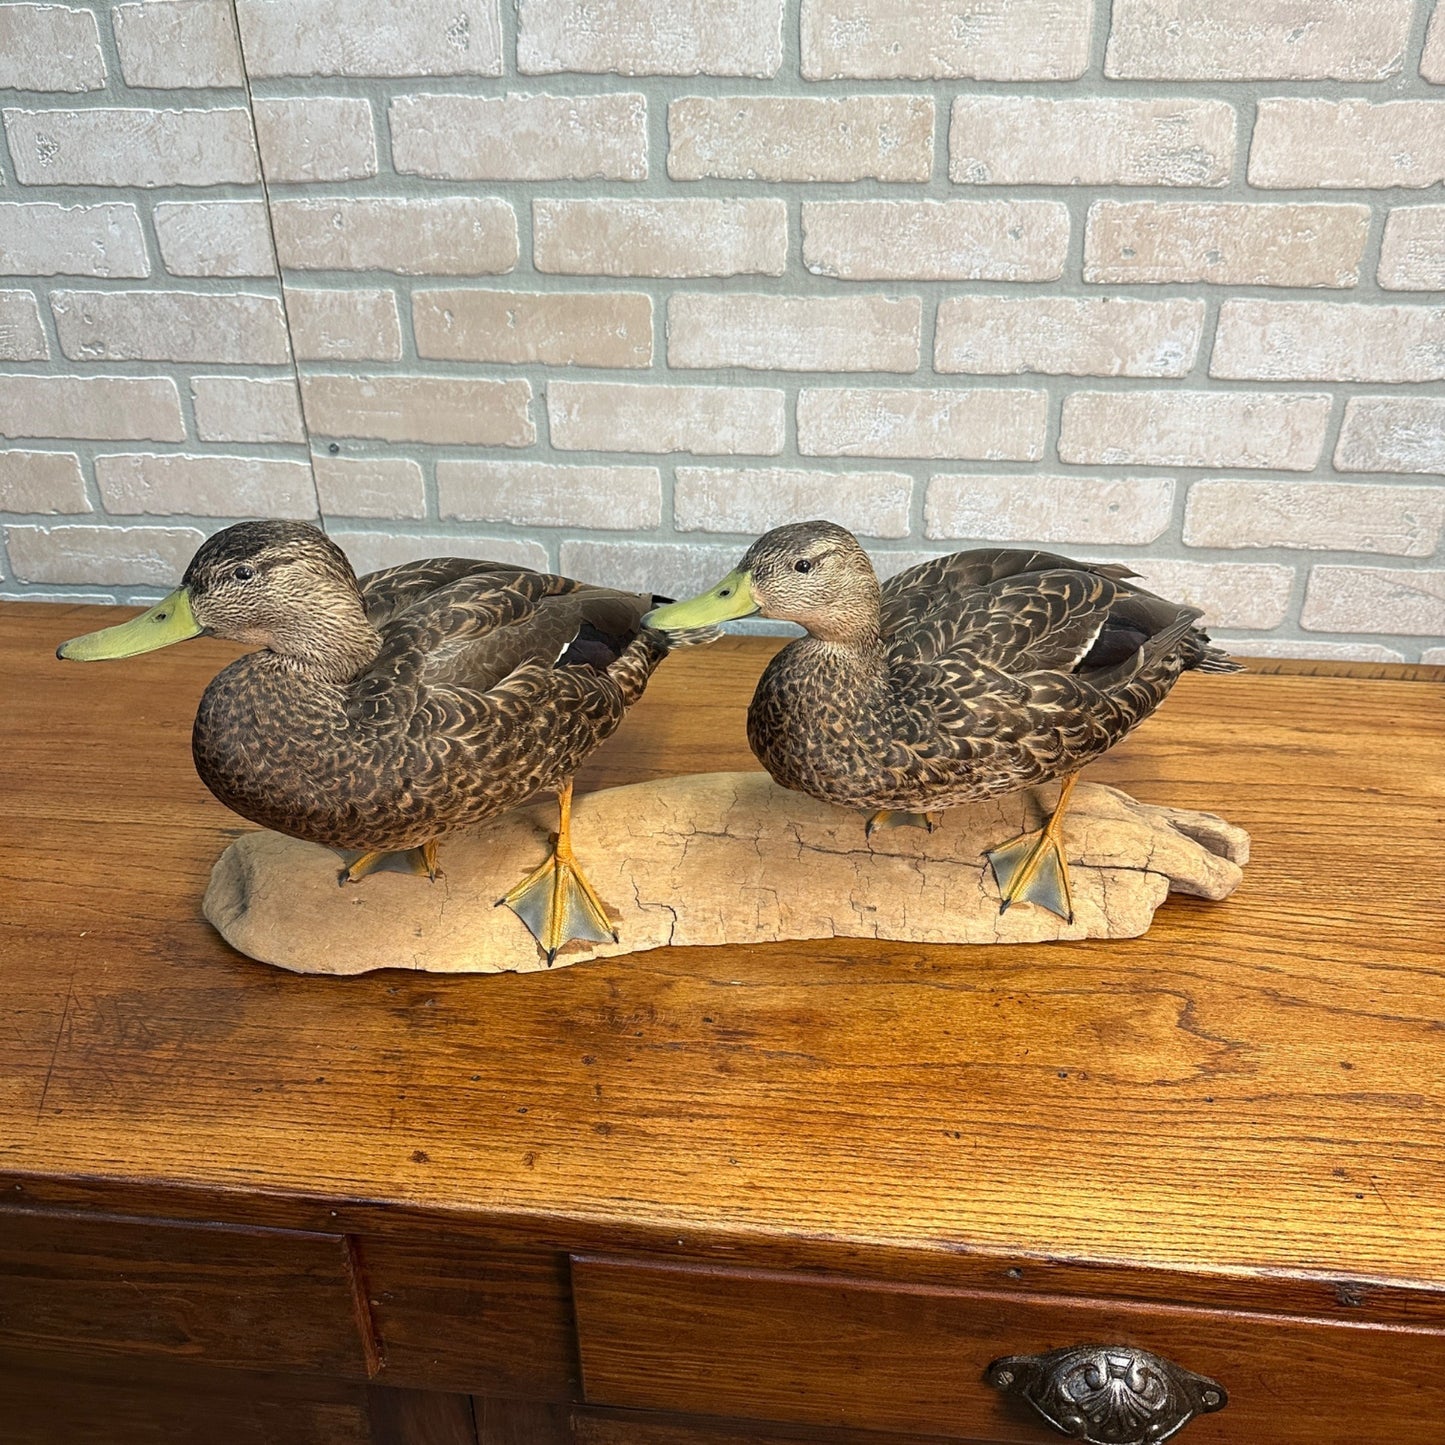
(391, 591)
(495, 637)
(1008, 611)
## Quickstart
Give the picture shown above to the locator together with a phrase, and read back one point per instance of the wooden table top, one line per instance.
(1255, 1085)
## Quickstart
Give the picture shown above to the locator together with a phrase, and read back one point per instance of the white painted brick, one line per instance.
(1284, 647)
(204, 486)
(247, 409)
(1412, 257)
(177, 43)
(539, 494)
(675, 569)
(43, 239)
(661, 238)
(1328, 341)
(650, 37)
(1374, 599)
(1001, 140)
(1033, 508)
(18, 592)
(753, 500)
(1225, 243)
(855, 421)
(49, 47)
(801, 138)
(109, 555)
(571, 328)
(1306, 142)
(1246, 40)
(1232, 594)
(1432, 60)
(42, 482)
(394, 38)
(936, 240)
(170, 326)
(521, 137)
(315, 138)
(22, 337)
(1279, 430)
(1392, 434)
(351, 325)
(445, 410)
(371, 551)
(946, 39)
(389, 487)
(1058, 335)
(113, 146)
(612, 417)
(794, 333)
(1323, 516)
(461, 235)
(108, 408)
(215, 238)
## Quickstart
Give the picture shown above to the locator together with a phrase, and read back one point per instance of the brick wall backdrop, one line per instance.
(613, 285)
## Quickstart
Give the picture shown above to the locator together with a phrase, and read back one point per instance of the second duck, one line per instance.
(962, 678)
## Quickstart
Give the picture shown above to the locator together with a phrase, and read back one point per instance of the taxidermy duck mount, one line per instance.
(429, 701)
(966, 677)
(377, 716)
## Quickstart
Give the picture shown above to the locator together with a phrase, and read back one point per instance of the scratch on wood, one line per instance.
(55, 1051)
(1381, 1197)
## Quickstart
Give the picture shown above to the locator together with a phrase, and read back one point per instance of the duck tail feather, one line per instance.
(1216, 659)
(689, 636)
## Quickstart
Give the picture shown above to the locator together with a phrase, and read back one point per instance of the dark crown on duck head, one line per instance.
(266, 544)
(800, 539)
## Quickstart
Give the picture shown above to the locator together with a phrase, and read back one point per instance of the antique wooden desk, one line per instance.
(698, 1197)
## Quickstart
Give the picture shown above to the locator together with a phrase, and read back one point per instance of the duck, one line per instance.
(375, 715)
(964, 677)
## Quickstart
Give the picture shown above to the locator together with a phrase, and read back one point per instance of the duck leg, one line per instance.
(1032, 868)
(421, 860)
(556, 901)
(890, 818)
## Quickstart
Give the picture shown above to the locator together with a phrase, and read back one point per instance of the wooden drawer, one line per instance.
(88, 1400)
(854, 1353)
(221, 1296)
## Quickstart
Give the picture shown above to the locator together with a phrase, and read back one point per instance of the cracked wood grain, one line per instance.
(713, 858)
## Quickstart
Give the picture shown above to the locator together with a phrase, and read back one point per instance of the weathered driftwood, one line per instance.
(718, 858)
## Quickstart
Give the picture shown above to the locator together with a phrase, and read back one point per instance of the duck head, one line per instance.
(811, 573)
(284, 586)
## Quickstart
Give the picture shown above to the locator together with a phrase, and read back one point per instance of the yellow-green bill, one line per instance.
(732, 597)
(170, 620)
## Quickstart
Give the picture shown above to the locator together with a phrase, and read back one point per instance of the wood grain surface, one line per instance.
(1251, 1092)
(70, 1399)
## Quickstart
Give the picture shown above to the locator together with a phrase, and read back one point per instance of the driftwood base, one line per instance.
(718, 858)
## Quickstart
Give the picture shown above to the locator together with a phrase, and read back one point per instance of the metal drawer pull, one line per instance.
(1109, 1394)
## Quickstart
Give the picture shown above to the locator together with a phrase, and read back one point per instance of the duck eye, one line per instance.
(244, 573)
(802, 565)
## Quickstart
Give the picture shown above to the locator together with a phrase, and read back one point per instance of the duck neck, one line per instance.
(331, 641)
(852, 621)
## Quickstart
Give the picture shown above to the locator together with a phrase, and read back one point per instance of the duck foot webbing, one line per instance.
(555, 900)
(890, 818)
(1032, 868)
(421, 860)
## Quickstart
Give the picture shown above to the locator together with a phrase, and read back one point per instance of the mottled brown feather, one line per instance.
(989, 671)
(463, 712)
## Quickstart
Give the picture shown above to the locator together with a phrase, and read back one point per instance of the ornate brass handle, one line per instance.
(1109, 1394)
